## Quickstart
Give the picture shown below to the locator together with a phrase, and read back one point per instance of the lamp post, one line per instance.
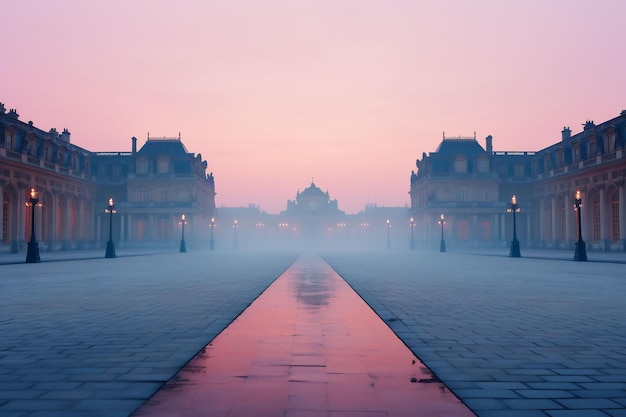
(32, 255)
(388, 227)
(235, 227)
(183, 248)
(580, 253)
(442, 245)
(412, 224)
(212, 244)
(110, 210)
(514, 208)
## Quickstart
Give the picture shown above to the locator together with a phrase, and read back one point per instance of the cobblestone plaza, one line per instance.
(535, 336)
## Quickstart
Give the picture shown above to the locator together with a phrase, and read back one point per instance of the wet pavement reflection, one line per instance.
(308, 346)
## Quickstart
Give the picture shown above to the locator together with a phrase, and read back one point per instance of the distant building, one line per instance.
(472, 186)
(151, 189)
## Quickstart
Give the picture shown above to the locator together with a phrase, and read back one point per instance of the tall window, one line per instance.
(576, 152)
(593, 149)
(519, 170)
(162, 229)
(9, 141)
(462, 229)
(610, 142)
(596, 217)
(615, 217)
(461, 194)
(164, 195)
(141, 195)
(5, 218)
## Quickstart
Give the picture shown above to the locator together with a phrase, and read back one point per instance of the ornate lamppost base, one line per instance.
(110, 253)
(580, 253)
(183, 248)
(514, 252)
(442, 246)
(32, 254)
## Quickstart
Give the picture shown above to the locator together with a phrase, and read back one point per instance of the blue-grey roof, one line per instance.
(170, 147)
(451, 147)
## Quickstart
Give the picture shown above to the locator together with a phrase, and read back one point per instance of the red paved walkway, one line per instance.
(309, 346)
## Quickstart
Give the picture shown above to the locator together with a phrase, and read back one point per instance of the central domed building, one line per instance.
(313, 219)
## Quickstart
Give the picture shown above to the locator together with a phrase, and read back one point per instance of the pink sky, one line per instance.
(275, 93)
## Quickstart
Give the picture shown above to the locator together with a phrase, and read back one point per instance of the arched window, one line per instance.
(595, 210)
(5, 217)
(615, 217)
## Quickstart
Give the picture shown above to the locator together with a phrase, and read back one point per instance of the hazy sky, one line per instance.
(275, 93)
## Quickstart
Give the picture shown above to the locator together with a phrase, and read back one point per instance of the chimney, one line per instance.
(65, 136)
(566, 133)
(489, 144)
(134, 139)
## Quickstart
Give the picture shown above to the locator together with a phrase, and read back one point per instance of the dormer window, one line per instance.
(593, 148)
(142, 166)
(460, 165)
(483, 166)
(575, 152)
(9, 141)
(610, 142)
(163, 166)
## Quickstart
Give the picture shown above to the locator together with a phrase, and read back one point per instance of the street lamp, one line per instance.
(235, 227)
(183, 222)
(514, 208)
(110, 210)
(442, 245)
(212, 245)
(32, 255)
(388, 227)
(580, 253)
(412, 224)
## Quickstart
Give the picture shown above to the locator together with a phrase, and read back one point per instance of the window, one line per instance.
(593, 150)
(576, 152)
(164, 195)
(610, 142)
(9, 141)
(483, 165)
(461, 194)
(142, 166)
(615, 236)
(596, 217)
(141, 195)
(560, 158)
(460, 165)
(163, 166)
(519, 170)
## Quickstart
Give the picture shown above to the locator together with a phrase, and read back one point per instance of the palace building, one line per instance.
(151, 188)
(472, 187)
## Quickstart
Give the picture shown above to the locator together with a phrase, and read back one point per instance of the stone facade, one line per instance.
(473, 186)
(151, 187)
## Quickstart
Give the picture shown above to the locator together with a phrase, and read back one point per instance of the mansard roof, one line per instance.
(166, 146)
(460, 146)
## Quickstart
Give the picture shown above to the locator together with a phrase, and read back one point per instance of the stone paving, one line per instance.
(97, 337)
(511, 337)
